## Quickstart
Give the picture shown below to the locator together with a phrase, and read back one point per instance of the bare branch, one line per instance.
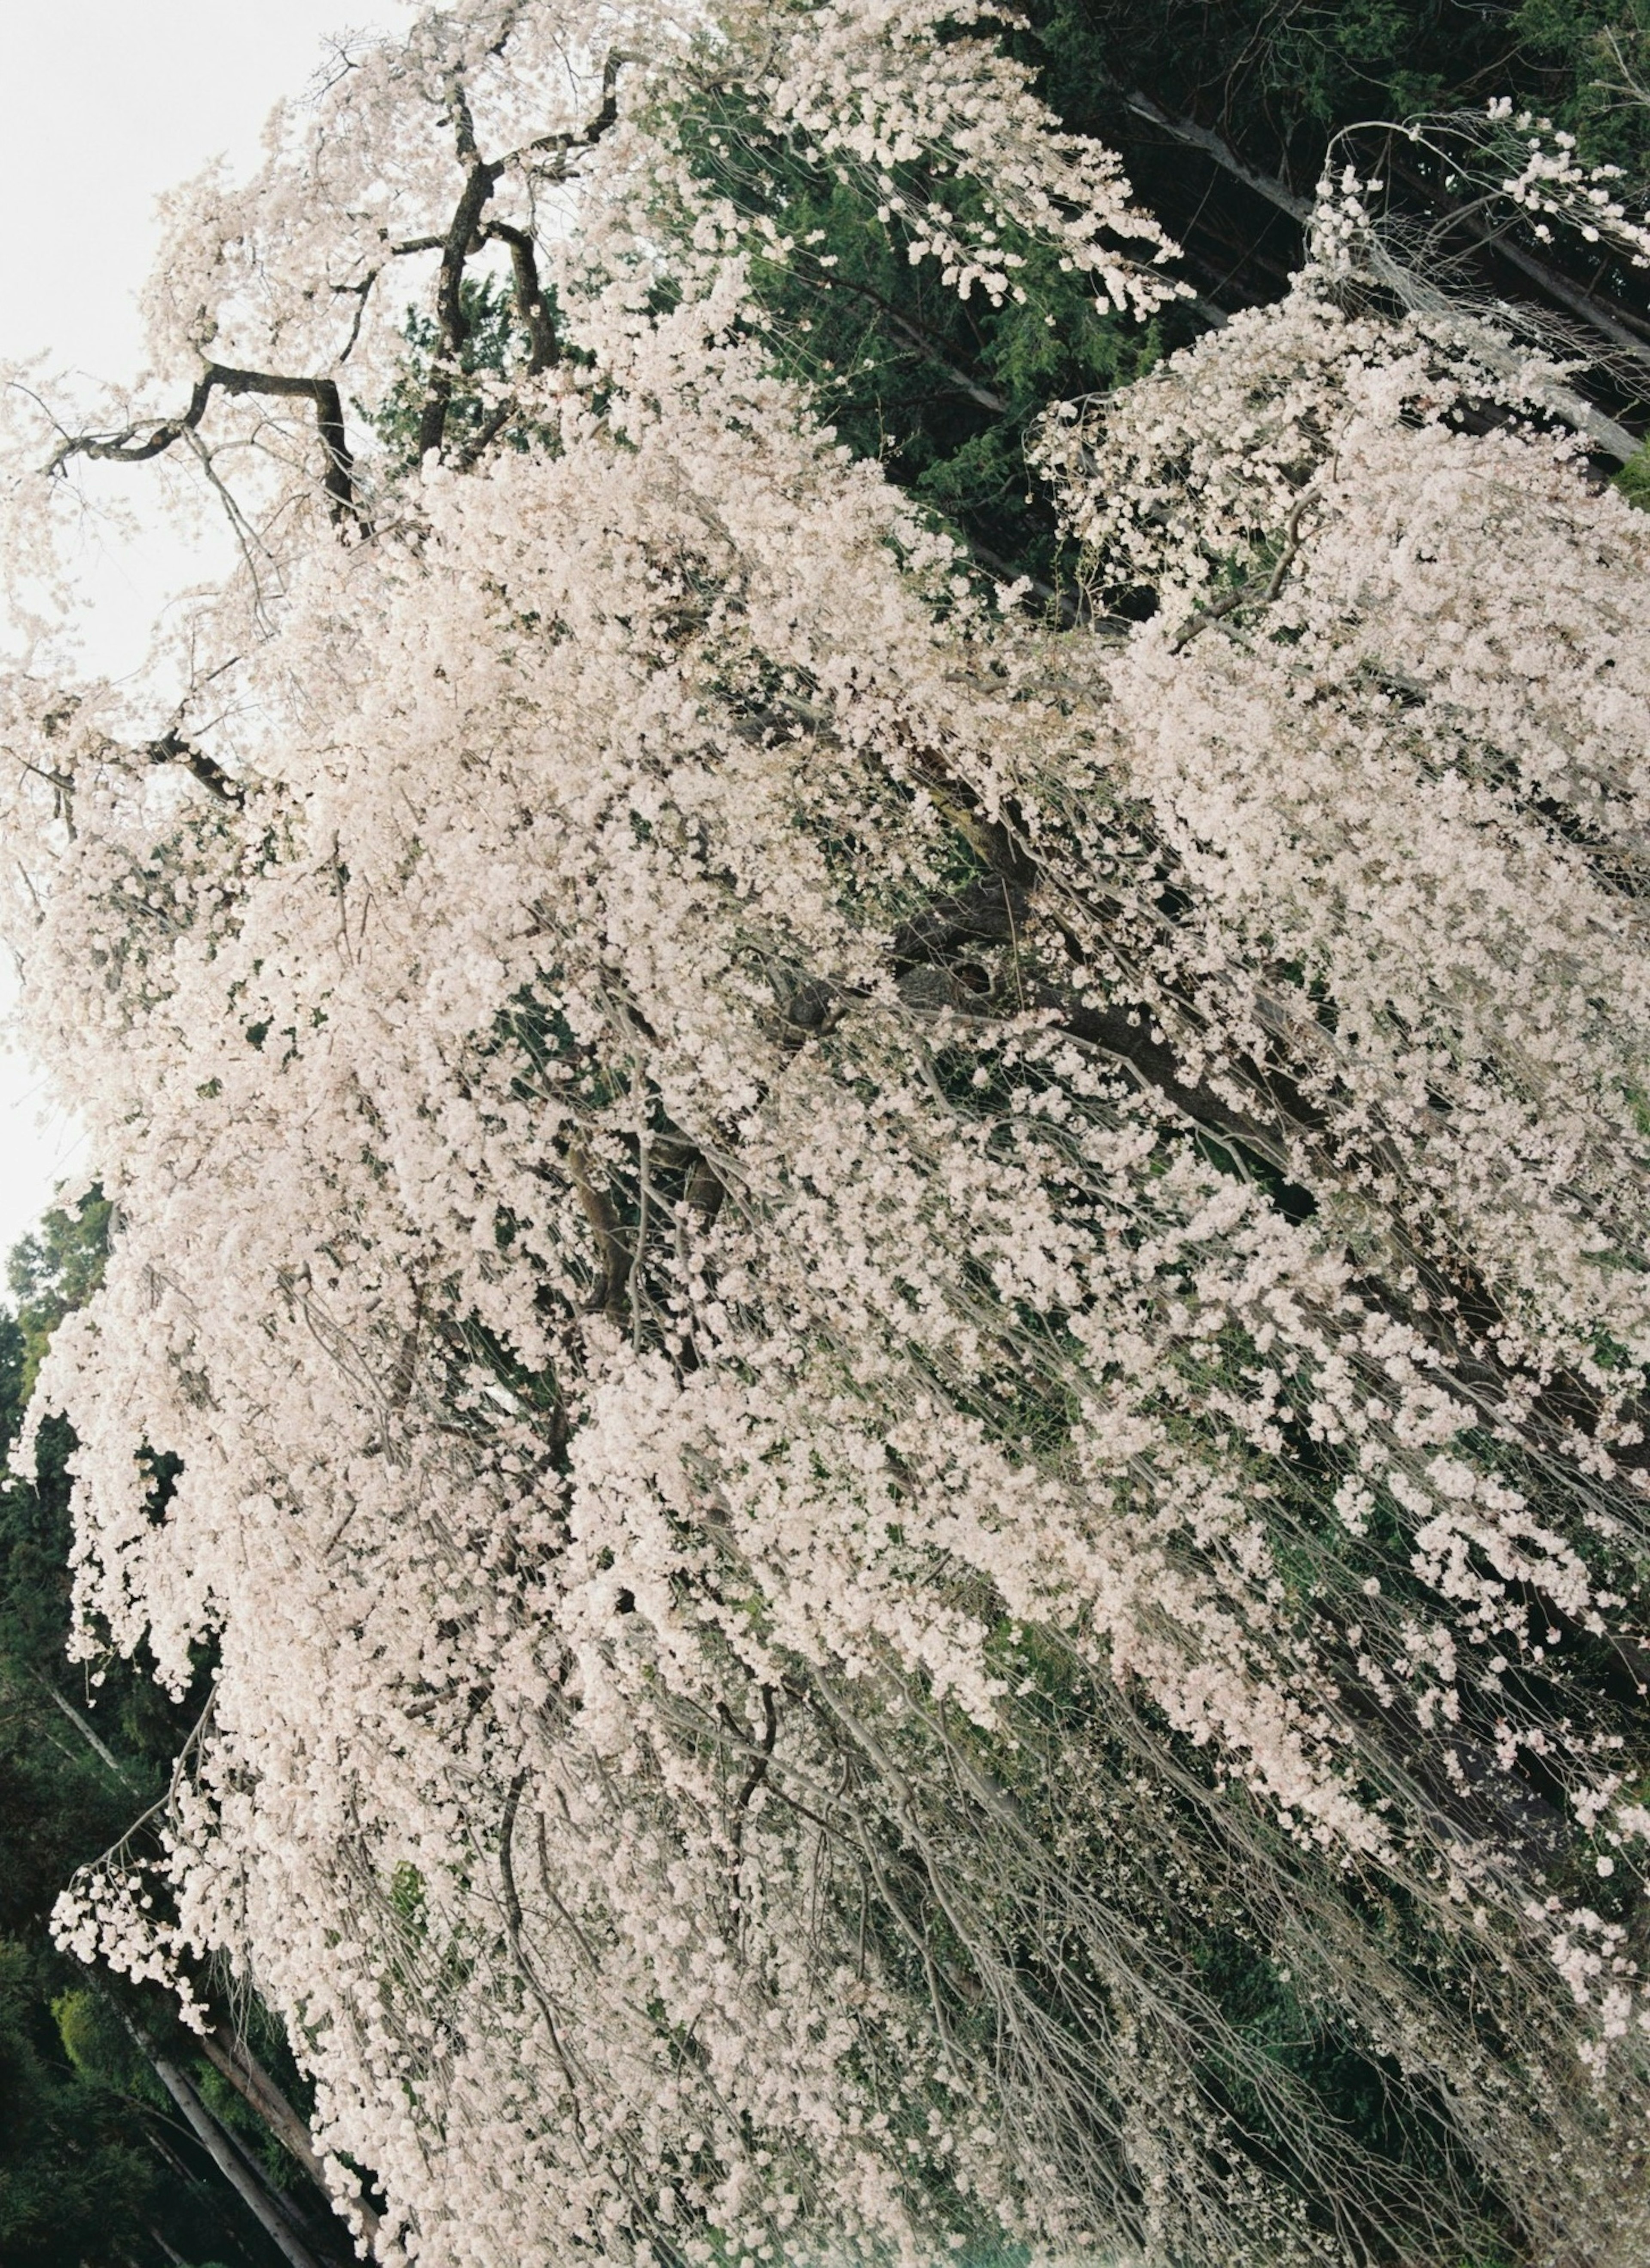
(461, 240)
(173, 748)
(465, 237)
(1605, 433)
(136, 443)
(543, 347)
(236, 2171)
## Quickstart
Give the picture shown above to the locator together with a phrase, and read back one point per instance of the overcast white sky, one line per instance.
(103, 104)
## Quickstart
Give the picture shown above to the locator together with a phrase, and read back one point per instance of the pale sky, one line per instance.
(103, 104)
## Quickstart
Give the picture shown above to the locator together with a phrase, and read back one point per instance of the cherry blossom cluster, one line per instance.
(1555, 185)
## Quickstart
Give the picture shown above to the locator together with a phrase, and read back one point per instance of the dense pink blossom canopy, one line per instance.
(859, 1303)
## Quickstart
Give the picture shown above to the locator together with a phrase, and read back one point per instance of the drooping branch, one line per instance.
(754, 1778)
(1625, 332)
(524, 1966)
(1605, 433)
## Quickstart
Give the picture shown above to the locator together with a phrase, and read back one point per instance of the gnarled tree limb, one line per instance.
(136, 443)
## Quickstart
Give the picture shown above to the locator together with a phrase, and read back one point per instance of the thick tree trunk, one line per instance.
(88, 1733)
(235, 2061)
(213, 2140)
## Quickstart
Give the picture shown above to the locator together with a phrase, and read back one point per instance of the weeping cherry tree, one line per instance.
(890, 1332)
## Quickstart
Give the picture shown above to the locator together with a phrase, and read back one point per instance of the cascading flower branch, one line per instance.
(896, 1358)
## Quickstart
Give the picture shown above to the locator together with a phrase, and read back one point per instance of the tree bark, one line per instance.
(213, 2139)
(88, 1733)
(234, 2060)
